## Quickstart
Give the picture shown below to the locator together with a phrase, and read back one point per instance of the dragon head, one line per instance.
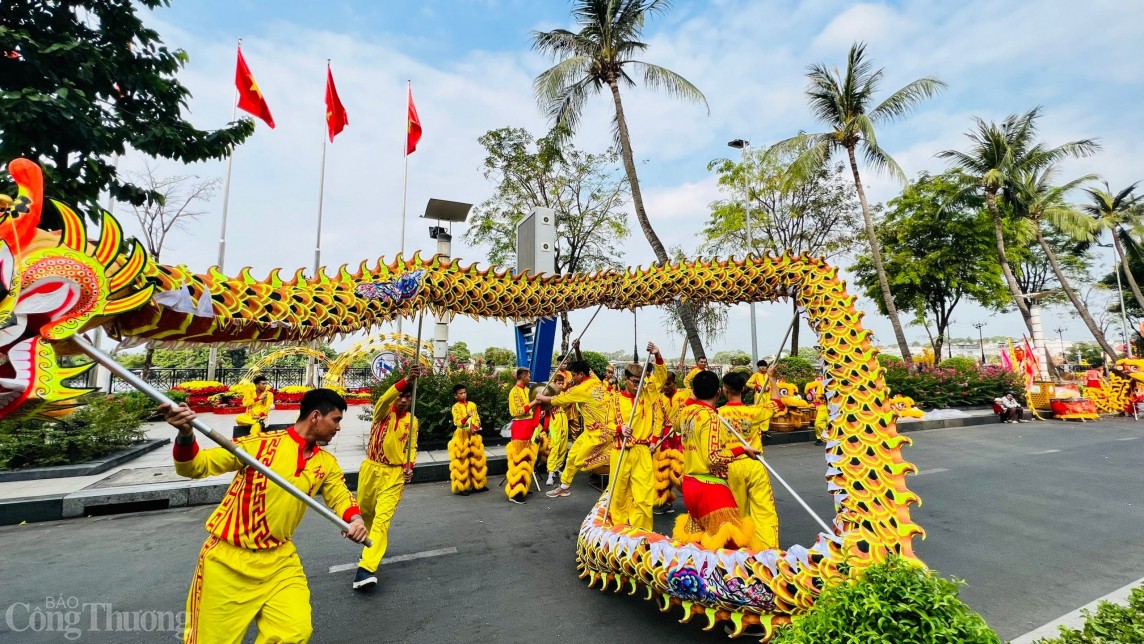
(903, 406)
(54, 284)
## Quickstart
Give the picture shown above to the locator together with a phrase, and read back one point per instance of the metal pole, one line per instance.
(311, 365)
(980, 339)
(1123, 317)
(750, 249)
(770, 469)
(790, 328)
(567, 354)
(405, 177)
(224, 442)
(413, 396)
(212, 358)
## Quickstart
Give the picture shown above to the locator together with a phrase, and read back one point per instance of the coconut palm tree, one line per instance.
(1039, 202)
(601, 55)
(844, 100)
(1117, 213)
(998, 156)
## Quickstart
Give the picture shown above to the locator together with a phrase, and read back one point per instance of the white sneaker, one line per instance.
(1023, 421)
(549, 481)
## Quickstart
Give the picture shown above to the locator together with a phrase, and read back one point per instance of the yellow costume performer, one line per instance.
(592, 448)
(468, 468)
(817, 397)
(258, 405)
(521, 451)
(669, 456)
(248, 568)
(748, 478)
(713, 520)
(633, 475)
(558, 425)
(388, 465)
(758, 383)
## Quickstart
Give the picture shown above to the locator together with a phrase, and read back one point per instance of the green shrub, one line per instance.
(887, 360)
(795, 369)
(597, 361)
(897, 602)
(960, 364)
(435, 400)
(1110, 623)
(177, 396)
(106, 424)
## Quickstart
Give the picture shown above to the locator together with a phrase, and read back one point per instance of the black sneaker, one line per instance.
(659, 509)
(364, 579)
(670, 508)
(464, 492)
(819, 442)
(518, 499)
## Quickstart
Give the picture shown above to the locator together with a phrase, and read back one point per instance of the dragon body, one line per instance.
(57, 283)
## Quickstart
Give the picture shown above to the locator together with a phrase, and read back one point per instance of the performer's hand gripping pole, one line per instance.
(547, 391)
(762, 460)
(624, 441)
(224, 442)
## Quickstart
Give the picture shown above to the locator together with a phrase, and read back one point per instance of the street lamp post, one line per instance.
(980, 339)
(745, 147)
(1061, 339)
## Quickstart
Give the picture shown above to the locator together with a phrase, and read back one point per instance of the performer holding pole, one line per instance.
(632, 494)
(388, 466)
(248, 569)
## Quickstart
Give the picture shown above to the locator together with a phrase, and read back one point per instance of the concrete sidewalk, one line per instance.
(150, 482)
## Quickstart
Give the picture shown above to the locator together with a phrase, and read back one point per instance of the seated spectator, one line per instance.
(1011, 411)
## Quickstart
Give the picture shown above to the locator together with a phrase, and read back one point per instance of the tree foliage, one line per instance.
(84, 80)
(937, 252)
(460, 351)
(499, 357)
(175, 210)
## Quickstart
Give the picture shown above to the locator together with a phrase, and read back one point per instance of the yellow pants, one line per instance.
(558, 433)
(247, 419)
(821, 422)
(521, 457)
(633, 487)
(751, 486)
(234, 586)
(468, 467)
(379, 492)
(579, 451)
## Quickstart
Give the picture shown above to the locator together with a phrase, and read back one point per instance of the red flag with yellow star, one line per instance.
(250, 98)
(336, 117)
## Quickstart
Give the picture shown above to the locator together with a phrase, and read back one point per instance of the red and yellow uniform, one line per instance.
(632, 471)
(713, 519)
(669, 456)
(558, 433)
(691, 376)
(748, 478)
(257, 409)
(591, 449)
(520, 452)
(758, 383)
(248, 568)
(817, 397)
(468, 467)
(392, 451)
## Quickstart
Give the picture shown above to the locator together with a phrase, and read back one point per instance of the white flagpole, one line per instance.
(405, 174)
(212, 359)
(311, 376)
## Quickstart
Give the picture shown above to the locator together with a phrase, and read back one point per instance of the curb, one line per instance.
(84, 469)
(135, 498)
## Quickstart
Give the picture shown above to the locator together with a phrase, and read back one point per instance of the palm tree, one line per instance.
(1038, 201)
(600, 56)
(998, 157)
(1117, 213)
(845, 102)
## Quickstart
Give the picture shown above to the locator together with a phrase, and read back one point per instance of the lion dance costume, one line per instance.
(521, 451)
(468, 468)
(669, 455)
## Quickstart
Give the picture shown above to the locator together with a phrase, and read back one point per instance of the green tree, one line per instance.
(602, 54)
(817, 214)
(844, 101)
(1041, 203)
(735, 357)
(937, 253)
(499, 357)
(584, 190)
(998, 156)
(1118, 214)
(460, 351)
(85, 79)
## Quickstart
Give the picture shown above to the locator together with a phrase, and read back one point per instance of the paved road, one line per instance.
(1039, 518)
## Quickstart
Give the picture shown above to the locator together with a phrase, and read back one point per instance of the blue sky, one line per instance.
(471, 68)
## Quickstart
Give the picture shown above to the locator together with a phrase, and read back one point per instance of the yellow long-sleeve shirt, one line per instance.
(255, 513)
(758, 382)
(465, 416)
(691, 376)
(750, 421)
(674, 406)
(389, 434)
(706, 448)
(644, 424)
(256, 405)
(517, 403)
(592, 402)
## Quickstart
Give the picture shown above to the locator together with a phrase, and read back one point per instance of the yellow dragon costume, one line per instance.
(55, 284)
